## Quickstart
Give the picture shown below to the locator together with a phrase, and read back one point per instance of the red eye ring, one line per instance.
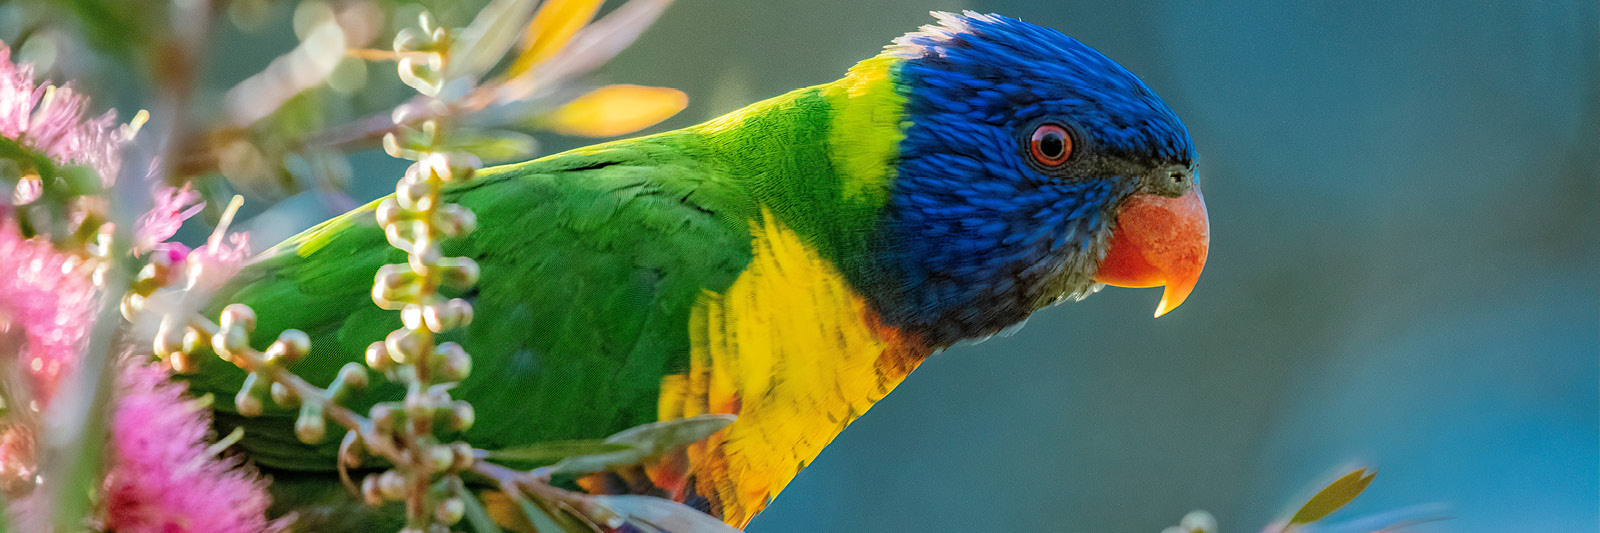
(1050, 145)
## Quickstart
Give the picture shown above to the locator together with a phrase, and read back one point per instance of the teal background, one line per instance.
(1403, 274)
(1404, 271)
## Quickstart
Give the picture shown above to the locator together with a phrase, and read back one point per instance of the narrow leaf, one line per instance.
(550, 31)
(615, 110)
(593, 46)
(663, 514)
(490, 145)
(77, 422)
(485, 42)
(1337, 494)
(537, 516)
(644, 442)
(476, 516)
(545, 453)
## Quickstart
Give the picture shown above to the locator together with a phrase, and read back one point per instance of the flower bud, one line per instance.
(463, 166)
(378, 356)
(453, 363)
(458, 272)
(463, 310)
(169, 338)
(1198, 522)
(184, 362)
(389, 212)
(419, 406)
(461, 416)
(404, 345)
(370, 492)
(392, 485)
(310, 427)
(441, 317)
(453, 220)
(353, 375)
(394, 276)
(193, 339)
(424, 255)
(450, 511)
(230, 340)
(291, 345)
(414, 192)
(464, 456)
(248, 401)
(239, 315)
(395, 285)
(401, 374)
(441, 458)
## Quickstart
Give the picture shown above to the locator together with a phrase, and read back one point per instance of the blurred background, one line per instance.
(1404, 272)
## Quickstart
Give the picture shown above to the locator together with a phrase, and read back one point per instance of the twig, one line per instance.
(255, 361)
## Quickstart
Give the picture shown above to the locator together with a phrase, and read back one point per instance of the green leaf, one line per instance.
(492, 33)
(492, 146)
(545, 453)
(28, 158)
(542, 520)
(602, 40)
(644, 442)
(1337, 494)
(662, 514)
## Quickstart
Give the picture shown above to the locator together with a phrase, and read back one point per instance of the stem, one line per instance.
(75, 431)
(75, 435)
(252, 360)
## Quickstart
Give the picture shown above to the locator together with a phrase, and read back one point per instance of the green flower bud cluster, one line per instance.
(416, 220)
(268, 377)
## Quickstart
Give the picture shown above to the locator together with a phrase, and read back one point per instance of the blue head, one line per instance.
(1020, 147)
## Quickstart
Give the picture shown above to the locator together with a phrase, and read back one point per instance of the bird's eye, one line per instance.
(1050, 144)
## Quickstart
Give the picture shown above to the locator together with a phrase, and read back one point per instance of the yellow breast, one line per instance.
(794, 352)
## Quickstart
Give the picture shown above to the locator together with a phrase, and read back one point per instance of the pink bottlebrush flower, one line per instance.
(54, 121)
(51, 296)
(192, 276)
(170, 208)
(48, 293)
(164, 478)
(218, 260)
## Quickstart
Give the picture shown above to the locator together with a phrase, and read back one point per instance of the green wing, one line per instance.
(591, 261)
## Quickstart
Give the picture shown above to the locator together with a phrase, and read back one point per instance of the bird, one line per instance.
(789, 262)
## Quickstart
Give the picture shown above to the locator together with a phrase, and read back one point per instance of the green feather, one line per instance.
(591, 261)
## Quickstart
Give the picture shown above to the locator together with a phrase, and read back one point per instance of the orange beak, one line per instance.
(1159, 241)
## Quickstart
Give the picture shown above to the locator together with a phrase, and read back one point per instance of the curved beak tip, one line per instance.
(1173, 296)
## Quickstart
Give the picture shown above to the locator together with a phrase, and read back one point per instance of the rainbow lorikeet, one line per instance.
(789, 262)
